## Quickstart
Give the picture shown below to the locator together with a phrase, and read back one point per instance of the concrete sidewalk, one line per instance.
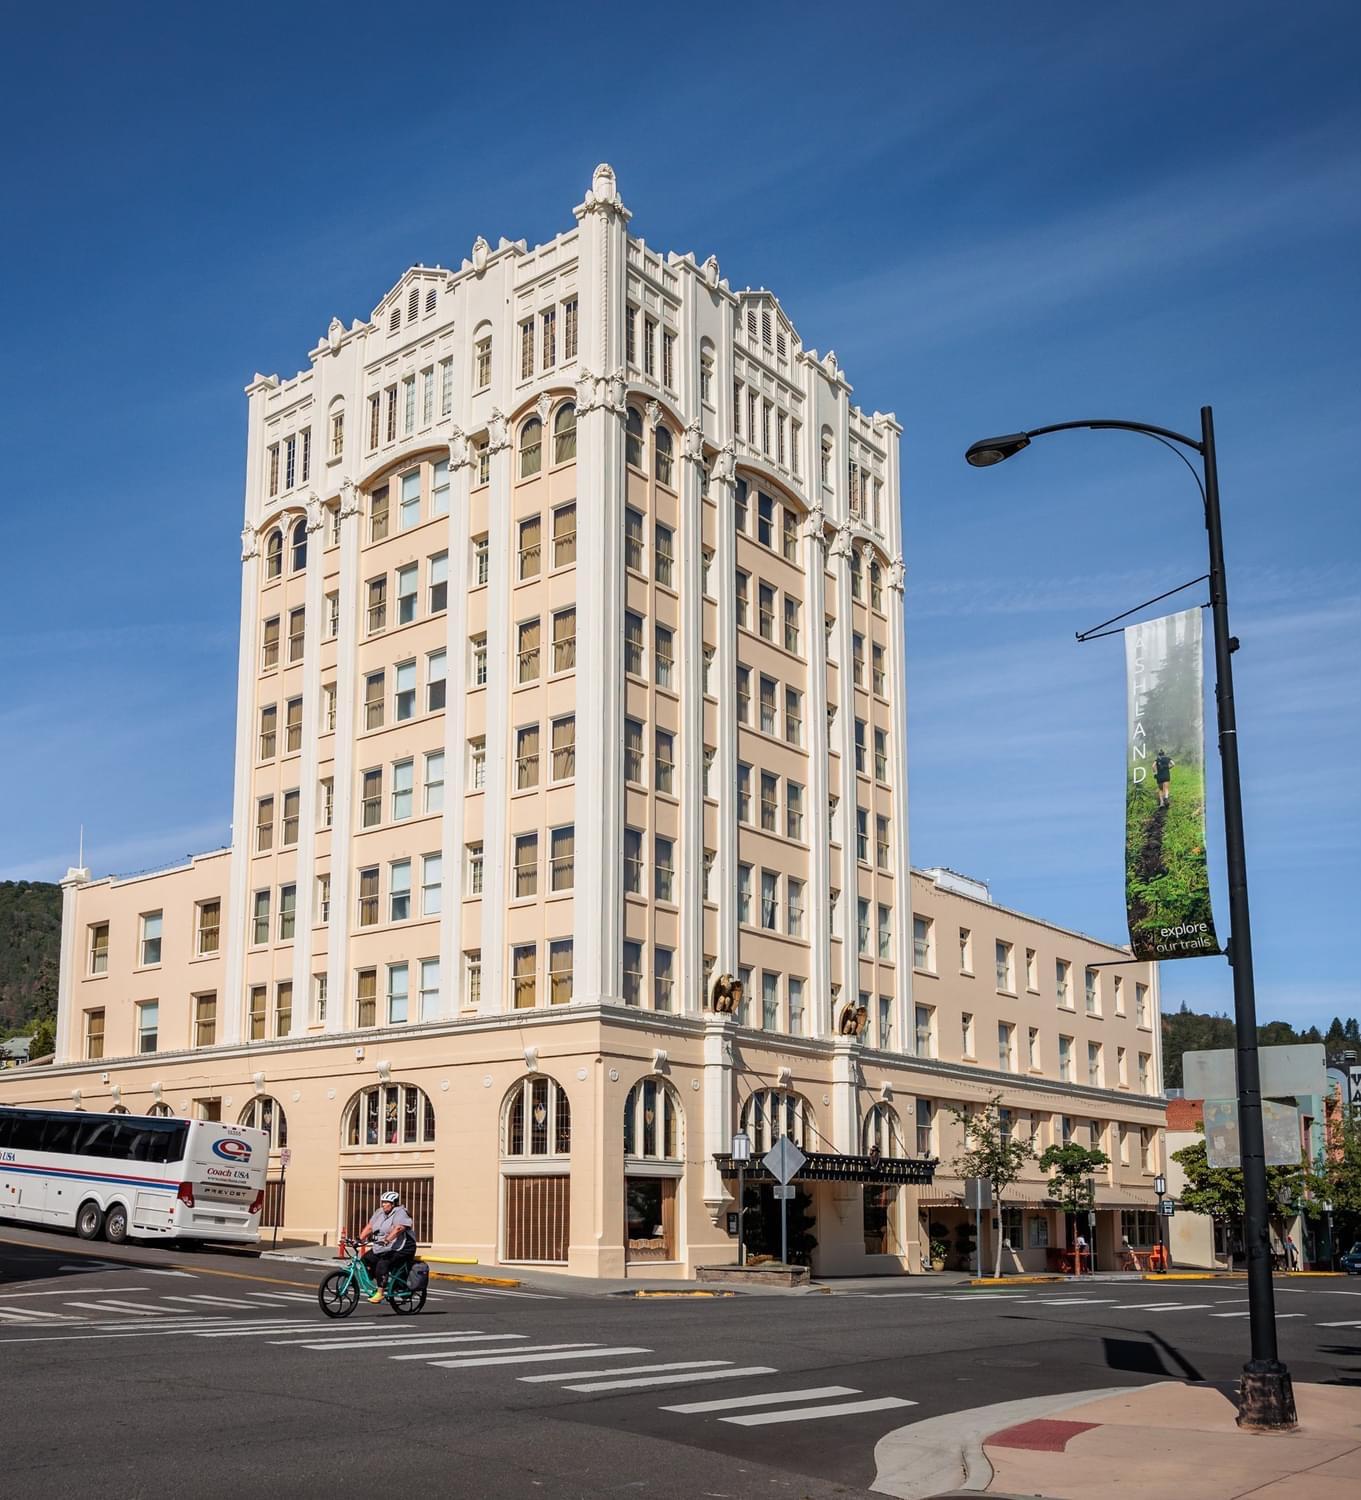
(1173, 1438)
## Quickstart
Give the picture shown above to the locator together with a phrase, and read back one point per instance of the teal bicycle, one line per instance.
(340, 1291)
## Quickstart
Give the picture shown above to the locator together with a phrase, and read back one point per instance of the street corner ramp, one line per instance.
(944, 1455)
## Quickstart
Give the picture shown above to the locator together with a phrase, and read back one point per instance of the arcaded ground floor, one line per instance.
(588, 1139)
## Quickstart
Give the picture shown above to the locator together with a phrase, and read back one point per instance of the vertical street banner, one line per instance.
(1167, 883)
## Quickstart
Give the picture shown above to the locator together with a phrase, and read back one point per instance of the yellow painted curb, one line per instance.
(1190, 1275)
(1014, 1280)
(451, 1260)
(1311, 1273)
(473, 1280)
(681, 1294)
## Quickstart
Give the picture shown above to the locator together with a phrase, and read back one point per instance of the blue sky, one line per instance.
(999, 216)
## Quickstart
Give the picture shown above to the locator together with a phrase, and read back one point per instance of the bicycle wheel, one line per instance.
(404, 1300)
(338, 1294)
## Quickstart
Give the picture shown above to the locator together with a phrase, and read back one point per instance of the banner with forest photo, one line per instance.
(1167, 883)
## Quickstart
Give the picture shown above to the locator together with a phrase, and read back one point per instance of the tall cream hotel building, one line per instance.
(571, 682)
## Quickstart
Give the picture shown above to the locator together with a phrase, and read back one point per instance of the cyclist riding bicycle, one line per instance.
(391, 1241)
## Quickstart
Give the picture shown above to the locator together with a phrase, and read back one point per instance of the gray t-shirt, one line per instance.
(382, 1224)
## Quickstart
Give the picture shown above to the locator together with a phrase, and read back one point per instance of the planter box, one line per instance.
(768, 1274)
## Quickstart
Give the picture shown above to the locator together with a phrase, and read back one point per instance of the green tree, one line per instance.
(1070, 1171)
(44, 1038)
(990, 1150)
(1338, 1176)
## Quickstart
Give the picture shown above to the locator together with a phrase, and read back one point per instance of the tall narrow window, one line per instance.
(531, 448)
(564, 748)
(565, 433)
(564, 536)
(564, 640)
(439, 583)
(528, 651)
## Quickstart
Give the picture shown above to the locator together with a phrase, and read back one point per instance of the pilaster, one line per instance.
(692, 711)
(820, 1018)
(68, 970)
(849, 977)
(904, 1029)
(237, 914)
(719, 1031)
(845, 1122)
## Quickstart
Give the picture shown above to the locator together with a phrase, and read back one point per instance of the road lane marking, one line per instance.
(1072, 1301)
(211, 1302)
(1161, 1306)
(33, 1315)
(683, 1364)
(117, 1307)
(65, 1291)
(538, 1355)
(631, 1385)
(1280, 1317)
(773, 1398)
(154, 1271)
(1355, 1324)
(388, 1341)
(814, 1413)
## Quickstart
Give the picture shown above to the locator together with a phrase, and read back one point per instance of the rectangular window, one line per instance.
(1006, 1055)
(151, 939)
(297, 633)
(743, 793)
(1065, 1059)
(633, 862)
(633, 752)
(564, 535)
(293, 726)
(860, 745)
(404, 691)
(269, 647)
(1006, 980)
(366, 997)
(475, 863)
(429, 994)
(398, 993)
(434, 781)
(472, 978)
(792, 625)
(288, 912)
(446, 387)
(328, 708)
(264, 825)
(560, 971)
(564, 748)
(665, 756)
(793, 810)
(1140, 1004)
(526, 348)
(633, 973)
(877, 669)
(862, 924)
(378, 515)
(1092, 992)
(770, 1001)
(527, 651)
(260, 918)
(884, 931)
(530, 551)
(478, 643)
(482, 363)
(332, 616)
(436, 683)
(403, 788)
(743, 695)
(323, 899)
(375, 409)
(378, 605)
(925, 1123)
(1063, 982)
(744, 893)
(432, 884)
(258, 1020)
(926, 1032)
(209, 926)
(569, 329)
(862, 835)
(526, 757)
(922, 954)
(1145, 1073)
(765, 603)
(794, 907)
(767, 720)
(795, 989)
(793, 716)
(633, 539)
(292, 810)
(148, 1024)
(283, 1008)
(664, 869)
(548, 323)
(770, 801)
(966, 1033)
(524, 959)
(368, 897)
(743, 586)
(565, 640)
(663, 554)
(205, 1020)
(526, 865)
(408, 404)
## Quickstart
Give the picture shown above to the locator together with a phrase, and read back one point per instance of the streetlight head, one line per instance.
(991, 451)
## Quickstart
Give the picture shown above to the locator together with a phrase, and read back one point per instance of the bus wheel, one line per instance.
(116, 1225)
(90, 1220)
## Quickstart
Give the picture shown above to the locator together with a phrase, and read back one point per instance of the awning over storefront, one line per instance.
(831, 1166)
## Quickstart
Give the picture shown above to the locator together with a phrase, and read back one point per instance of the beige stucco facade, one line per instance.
(572, 680)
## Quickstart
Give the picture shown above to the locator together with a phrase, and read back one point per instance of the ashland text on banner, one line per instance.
(1167, 884)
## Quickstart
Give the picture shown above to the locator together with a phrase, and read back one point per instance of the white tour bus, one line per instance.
(132, 1176)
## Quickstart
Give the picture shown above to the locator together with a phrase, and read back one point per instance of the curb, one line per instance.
(473, 1280)
(1016, 1280)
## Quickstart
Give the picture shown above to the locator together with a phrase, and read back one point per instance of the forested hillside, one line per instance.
(1189, 1031)
(30, 941)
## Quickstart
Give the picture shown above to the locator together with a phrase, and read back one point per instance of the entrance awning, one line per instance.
(832, 1166)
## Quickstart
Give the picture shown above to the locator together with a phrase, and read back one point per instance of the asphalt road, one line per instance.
(146, 1372)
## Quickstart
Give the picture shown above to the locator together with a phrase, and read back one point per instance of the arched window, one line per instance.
(160, 1112)
(389, 1115)
(633, 438)
(565, 433)
(825, 460)
(482, 356)
(661, 447)
(538, 1118)
(882, 1129)
(531, 448)
(652, 1122)
(274, 554)
(876, 587)
(299, 561)
(264, 1113)
(770, 1113)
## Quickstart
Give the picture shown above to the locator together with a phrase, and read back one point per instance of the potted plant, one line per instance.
(939, 1250)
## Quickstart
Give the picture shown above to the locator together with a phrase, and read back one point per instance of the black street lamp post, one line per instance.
(1266, 1397)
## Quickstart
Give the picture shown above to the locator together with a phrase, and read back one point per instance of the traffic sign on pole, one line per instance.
(784, 1161)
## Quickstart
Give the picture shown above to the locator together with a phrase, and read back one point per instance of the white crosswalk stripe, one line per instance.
(1353, 1324)
(771, 1398)
(815, 1413)
(211, 1302)
(391, 1340)
(1280, 1317)
(682, 1364)
(117, 1307)
(606, 1384)
(33, 1315)
(528, 1356)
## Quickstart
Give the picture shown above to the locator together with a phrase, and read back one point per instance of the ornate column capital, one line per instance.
(316, 511)
(897, 574)
(498, 431)
(844, 544)
(349, 499)
(692, 440)
(250, 543)
(815, 526)
(725, 464)
(459, 455)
